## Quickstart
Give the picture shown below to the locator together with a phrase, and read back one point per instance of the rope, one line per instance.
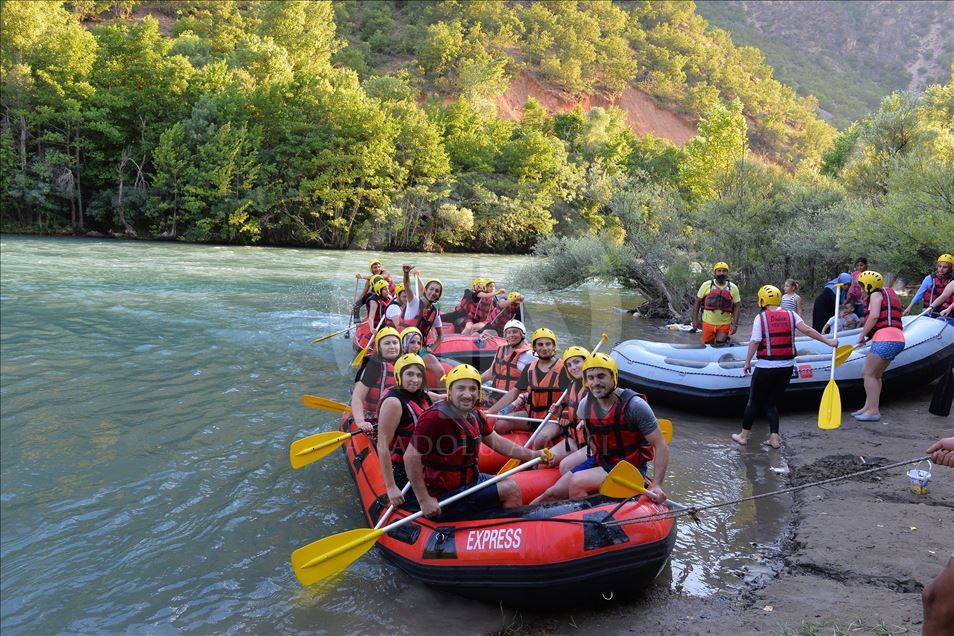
(693, 511)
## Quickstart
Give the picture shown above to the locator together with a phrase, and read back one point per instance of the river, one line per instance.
(150, 391)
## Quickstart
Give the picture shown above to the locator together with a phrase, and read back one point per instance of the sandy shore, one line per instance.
(855, 556)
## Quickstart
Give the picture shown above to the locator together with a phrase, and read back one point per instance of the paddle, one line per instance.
(312, 448)
(315, 402)
(513, 462)
(829, 411)
(664, 425)
(625, 482)
(329, 556)
(387, 513)
(358, 358)
(332, 335)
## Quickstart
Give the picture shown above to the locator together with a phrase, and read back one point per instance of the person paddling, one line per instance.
(932, 287)
(883, 326)
(542, 382)
(619, 425)
(398, 413)
(375, 377)
(773, 344)
(441, 459)
(720, 301)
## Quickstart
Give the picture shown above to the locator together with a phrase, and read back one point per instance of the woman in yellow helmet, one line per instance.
(884, 328)
(932, 287)
(375, 377)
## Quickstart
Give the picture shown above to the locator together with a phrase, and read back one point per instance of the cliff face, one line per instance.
(643, 114)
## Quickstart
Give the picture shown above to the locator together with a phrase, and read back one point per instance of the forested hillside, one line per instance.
(848, 54)
(411, 125)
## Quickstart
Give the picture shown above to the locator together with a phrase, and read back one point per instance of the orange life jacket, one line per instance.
(543, 391)
(505, 369)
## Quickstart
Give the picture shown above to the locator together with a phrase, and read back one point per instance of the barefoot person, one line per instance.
(883, 327)
(441, 459)
(720, 302)
(398, 413)
(773, 342)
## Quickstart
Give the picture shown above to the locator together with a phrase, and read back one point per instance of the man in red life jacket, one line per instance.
(720, 302)
(441, 459)
(619, 425)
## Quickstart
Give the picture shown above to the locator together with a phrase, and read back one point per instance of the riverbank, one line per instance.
(856, 554)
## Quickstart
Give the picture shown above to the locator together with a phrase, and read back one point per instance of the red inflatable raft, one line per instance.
(471, 350)
(535, 556)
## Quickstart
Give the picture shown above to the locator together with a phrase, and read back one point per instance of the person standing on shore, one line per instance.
(790, 299)
(720, 302)
(855, 294)
(824, 306)
(883, 327)
(773, 342)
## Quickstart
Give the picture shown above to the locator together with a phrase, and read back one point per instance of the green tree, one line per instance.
(711, 154)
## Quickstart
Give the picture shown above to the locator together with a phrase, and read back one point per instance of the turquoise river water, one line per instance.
(149, 395)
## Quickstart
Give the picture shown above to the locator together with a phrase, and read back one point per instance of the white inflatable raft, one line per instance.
(709, 379)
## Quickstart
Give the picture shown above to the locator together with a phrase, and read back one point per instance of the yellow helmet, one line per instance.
(543, 332)
(374, 279)
(601, 361)
(461, 372)
(720, 265)
(946, 258)
(410, 331)
(573, 351)
(489, 281)
(372, 264)
(769, 295)
(380, 286)
(398, 288)
(407, 360)
(384, 333)
(477, 284)
(871, 280)
(513, 295)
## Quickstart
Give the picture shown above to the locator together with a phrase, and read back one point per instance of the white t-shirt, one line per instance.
(757, 337)
(414, 308)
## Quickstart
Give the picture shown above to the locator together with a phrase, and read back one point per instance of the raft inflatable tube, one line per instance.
(709, 379)
(543, 557)
(471, 350)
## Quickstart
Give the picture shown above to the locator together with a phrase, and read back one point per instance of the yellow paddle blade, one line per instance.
(312, 448)
(510, 465)
(829, 412)
(323, 338)
(666, 427)
(842, 354)
(359, 358)
(623, 482)
(326, 557)
(324, 404)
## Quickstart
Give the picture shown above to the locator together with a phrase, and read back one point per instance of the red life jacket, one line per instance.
(569, 414)
(452, 463)
(412, 405)
(481, 309)
(385, 382)
(387, 321)
(890, 315)
(506, 372)
(778, 335)
(466, 303)
(937, 288)
(719, 299)
(611, 439)
(543, 391)
(425, 319)
(501, 317)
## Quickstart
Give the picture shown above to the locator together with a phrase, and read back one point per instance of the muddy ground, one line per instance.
(854, 558)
